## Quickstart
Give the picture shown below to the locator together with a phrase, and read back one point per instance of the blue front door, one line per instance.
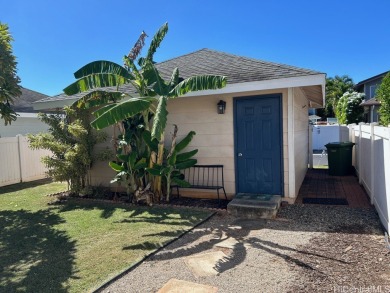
(258, 144)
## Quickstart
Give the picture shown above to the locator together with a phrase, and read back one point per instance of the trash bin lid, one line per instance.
(339, 144)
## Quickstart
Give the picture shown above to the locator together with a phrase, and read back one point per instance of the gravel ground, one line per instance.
(307, 248)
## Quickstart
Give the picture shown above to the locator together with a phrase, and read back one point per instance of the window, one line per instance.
(373, 90)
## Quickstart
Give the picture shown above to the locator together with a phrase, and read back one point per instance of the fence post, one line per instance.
(359, 157)
(372, 158)
(20, 158)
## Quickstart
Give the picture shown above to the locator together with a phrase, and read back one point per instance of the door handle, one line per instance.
(240, 154)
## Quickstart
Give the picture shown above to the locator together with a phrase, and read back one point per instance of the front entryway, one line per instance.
(258, 144)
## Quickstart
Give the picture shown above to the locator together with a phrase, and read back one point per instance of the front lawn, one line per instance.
(76, 247)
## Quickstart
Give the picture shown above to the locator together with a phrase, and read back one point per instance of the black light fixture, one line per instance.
(221, 107)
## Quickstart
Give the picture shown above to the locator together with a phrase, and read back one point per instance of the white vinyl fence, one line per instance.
(324, 134)
(371, 158)
(18, 163)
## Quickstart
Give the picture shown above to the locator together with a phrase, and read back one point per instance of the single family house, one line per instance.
(27, 120)
(256, 126)
(370, 103)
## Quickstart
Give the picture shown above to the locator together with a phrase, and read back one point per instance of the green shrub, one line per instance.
(348, 108)
(383, 95)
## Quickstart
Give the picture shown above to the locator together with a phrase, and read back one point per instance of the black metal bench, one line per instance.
(204, 177)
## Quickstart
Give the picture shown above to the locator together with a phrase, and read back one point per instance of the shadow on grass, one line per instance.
(33, 256)
(24, 185)
(137, 214)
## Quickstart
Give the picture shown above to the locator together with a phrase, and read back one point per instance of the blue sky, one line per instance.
(55, 38)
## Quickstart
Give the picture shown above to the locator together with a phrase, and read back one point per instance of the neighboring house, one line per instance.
(27, 120)
(261, 139)
(370, 104)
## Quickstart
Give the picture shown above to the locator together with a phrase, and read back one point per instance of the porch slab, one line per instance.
(254, 206)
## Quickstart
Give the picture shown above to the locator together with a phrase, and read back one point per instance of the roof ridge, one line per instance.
(372, 77)
(168, 60)
(34, 91)
(263, 61)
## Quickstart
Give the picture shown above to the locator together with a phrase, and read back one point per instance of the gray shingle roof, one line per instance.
(237, 69)
(24, 102)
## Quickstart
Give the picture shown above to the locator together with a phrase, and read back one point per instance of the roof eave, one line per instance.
(289, 82)
(53, 104)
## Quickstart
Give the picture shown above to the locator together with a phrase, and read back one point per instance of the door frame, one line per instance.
(279, 97)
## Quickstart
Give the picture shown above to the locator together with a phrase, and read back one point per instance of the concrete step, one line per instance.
(254, 206)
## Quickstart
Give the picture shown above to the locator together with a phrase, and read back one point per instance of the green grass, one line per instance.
(321, 167)
(76, 247)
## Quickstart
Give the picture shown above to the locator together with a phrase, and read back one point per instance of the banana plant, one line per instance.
(131, 169)
(103, 82)
(175, 162)
(132, 154)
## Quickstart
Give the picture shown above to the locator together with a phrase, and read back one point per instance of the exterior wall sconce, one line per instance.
(221, 107)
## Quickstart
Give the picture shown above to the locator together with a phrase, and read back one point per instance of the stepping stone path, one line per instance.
(203, 265)
(179, 286)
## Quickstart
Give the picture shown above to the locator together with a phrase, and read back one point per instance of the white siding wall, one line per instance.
(215, 136)
(371, 157)
(18, 162)
(215, 133)
(23, 126)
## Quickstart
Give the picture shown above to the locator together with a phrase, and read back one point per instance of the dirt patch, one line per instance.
(350, 257)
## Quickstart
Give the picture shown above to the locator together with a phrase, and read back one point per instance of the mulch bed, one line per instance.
(174, 201)
(199, 203)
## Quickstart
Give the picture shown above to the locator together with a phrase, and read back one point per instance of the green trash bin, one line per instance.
(340, 158)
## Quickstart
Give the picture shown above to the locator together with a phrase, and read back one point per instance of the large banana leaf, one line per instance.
(185, 156)
(94, 81)
(156, 41)
(160, 118)
(156, 170)
(102, 110)
(172, 159)
(174, 78)
(185, 142)
(102, 66)
(151, 143)
(186, 164)
(141, 164)
(97, 98)
(198, 83)
(120, 112)
(153, 78)
(123, 158)
(180, 182)
(116, 166)
(132, 159)
(133, 68)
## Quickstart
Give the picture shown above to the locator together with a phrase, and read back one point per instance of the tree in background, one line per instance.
(9, 81)
(335, 88)
(348, 109)
(71, 141)
(383, 95)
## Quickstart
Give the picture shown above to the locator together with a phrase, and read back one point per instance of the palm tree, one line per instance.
(335, 88)
(103, 80)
